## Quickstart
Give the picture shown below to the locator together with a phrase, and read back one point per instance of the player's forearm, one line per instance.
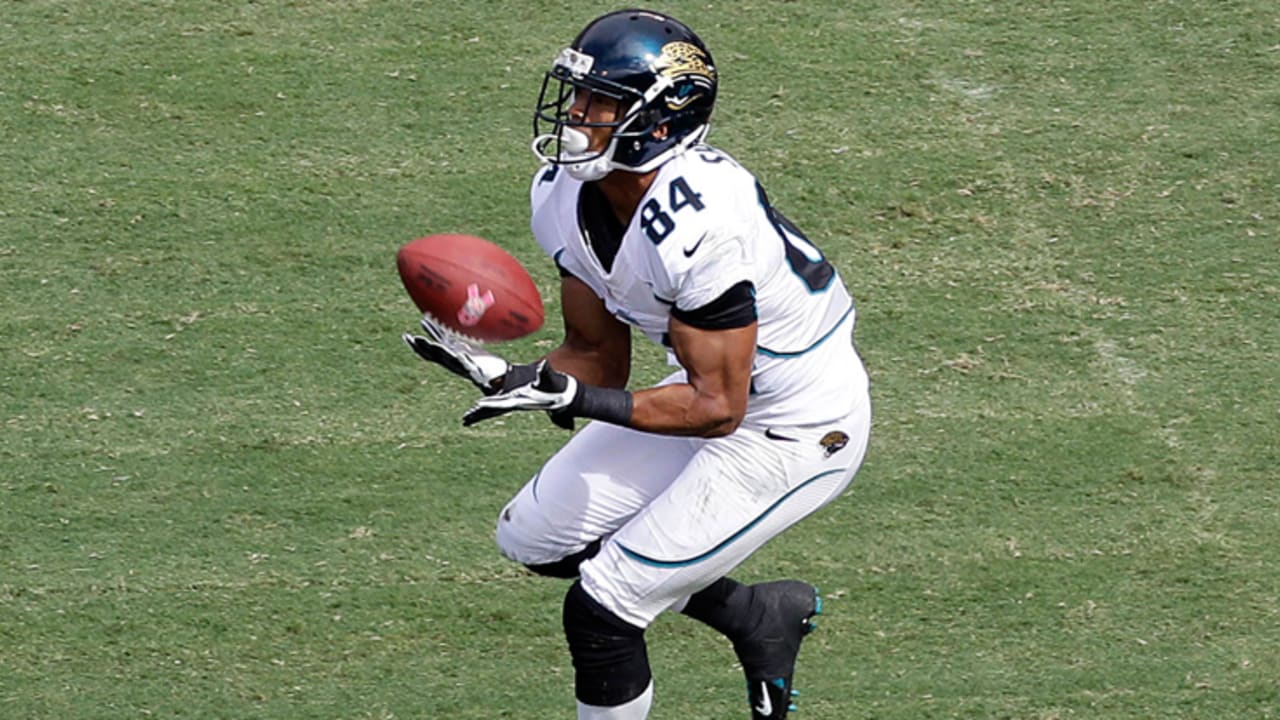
(591, 367)
(680, 409)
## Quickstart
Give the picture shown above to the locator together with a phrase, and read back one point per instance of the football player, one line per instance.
(764, 420)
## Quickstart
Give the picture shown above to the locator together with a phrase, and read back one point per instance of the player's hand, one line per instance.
(529, 387)
(450, 351)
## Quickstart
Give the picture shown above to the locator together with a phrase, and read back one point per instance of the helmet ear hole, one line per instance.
(648, 119)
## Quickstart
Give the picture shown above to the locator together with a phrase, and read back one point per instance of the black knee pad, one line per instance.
(568, 567)
(610, 662)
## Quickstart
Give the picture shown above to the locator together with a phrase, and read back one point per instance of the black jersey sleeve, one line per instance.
(735, 308)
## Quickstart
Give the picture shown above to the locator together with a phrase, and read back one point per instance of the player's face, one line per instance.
(590, 111)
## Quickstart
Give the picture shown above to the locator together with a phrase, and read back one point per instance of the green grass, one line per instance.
(227, 491)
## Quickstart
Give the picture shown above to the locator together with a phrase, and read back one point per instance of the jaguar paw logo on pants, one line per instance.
(834, 442)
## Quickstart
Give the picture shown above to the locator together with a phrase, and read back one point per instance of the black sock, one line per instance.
(725, 605)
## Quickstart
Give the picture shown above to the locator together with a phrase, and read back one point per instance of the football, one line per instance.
(471, 286)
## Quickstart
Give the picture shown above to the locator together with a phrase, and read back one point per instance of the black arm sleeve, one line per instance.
(735, 308)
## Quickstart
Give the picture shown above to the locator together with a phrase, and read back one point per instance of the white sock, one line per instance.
(637, 709)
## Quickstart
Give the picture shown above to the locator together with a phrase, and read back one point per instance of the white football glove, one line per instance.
(460, 357)
(542, 389)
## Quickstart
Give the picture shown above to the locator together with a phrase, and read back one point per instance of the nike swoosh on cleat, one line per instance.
(765, 707)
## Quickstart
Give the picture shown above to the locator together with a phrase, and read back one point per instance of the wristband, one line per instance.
(610, 405)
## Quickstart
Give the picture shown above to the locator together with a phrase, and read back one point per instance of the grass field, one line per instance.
(228, 491)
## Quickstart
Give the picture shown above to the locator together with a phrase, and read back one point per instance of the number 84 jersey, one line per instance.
(703, 229)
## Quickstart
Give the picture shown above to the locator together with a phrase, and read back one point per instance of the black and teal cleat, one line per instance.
(787, 611)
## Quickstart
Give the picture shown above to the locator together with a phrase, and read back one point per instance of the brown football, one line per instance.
(471, 286)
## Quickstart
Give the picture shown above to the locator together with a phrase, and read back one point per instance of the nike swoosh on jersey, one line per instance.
(766, 704)
(689, 251)
(769, 433)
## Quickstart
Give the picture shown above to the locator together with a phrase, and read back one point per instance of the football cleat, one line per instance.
(768, 655)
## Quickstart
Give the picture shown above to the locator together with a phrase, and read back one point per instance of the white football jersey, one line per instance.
(704, 226)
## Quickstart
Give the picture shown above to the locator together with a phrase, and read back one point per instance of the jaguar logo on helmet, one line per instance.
(681, 58)
(682, 62)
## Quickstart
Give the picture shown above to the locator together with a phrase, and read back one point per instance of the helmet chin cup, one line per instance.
(573, 142)
(577, 161)
(570, 146)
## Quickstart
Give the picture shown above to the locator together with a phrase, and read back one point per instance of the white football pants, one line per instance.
(675, 513)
